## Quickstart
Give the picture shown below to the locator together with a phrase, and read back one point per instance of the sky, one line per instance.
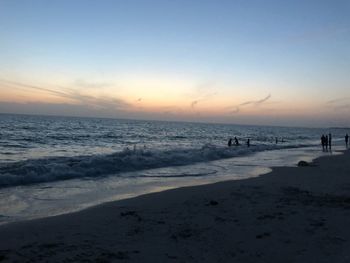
(225, 61)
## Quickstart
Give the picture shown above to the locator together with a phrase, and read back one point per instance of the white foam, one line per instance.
(61, 168)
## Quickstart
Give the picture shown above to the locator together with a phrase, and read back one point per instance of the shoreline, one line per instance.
(292, 214)
(45, 200)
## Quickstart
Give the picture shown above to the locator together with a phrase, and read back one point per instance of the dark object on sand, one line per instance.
(303, 164)
(213, 202)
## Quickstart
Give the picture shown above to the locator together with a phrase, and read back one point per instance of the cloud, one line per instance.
(194, 103)
(235, 111)
(338, 100)
(67, 93)
(339, 104)
(342, 107)
(258, 102)
(26, 86)
(255, 103)
(202, 98)
(99, 102)
(202, 92)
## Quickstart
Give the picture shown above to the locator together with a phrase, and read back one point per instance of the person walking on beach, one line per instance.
(229, 144)
(346, 140)
(326, 142)
(236, 141)
(330, 140)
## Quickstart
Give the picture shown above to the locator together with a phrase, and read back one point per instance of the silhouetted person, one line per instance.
(323, 141)
(346, 140)
(276, 140)
(248, 142)
(326, 142)
(229, 142)
(330, 140)
(236, 141)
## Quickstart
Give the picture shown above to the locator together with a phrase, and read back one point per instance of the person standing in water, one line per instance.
(323, 140)
(229, 144)
(236, 141)
(330, 140)
(248, 142)
(346, 140)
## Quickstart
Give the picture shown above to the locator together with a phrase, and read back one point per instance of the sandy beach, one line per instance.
(293, 214)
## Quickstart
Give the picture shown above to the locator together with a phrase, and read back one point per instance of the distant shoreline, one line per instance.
(167, 121)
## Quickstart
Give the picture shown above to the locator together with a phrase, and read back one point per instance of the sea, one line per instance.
(51, 165)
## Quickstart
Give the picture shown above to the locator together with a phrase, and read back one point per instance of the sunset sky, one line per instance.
(235, 61)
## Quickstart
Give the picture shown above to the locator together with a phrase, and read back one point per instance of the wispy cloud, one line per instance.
(338, 100)
(258, 102)
(75, 95)
(235, 110)
(255, 103)
(26, 86)
(339, 104)
(202, 92)
(202, 98)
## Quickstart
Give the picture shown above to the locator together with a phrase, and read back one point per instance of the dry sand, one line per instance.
(289, 215)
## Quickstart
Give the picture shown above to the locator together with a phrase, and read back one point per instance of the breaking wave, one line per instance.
(63, 168)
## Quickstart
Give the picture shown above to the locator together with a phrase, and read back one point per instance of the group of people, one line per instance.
(326, 141)
(236, 142)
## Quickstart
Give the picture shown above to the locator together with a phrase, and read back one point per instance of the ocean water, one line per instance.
(55, 165)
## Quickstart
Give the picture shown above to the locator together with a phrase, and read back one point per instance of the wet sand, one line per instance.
(298, 214)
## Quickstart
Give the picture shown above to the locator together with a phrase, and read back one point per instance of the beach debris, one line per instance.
(213, 203)
(303, 164)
